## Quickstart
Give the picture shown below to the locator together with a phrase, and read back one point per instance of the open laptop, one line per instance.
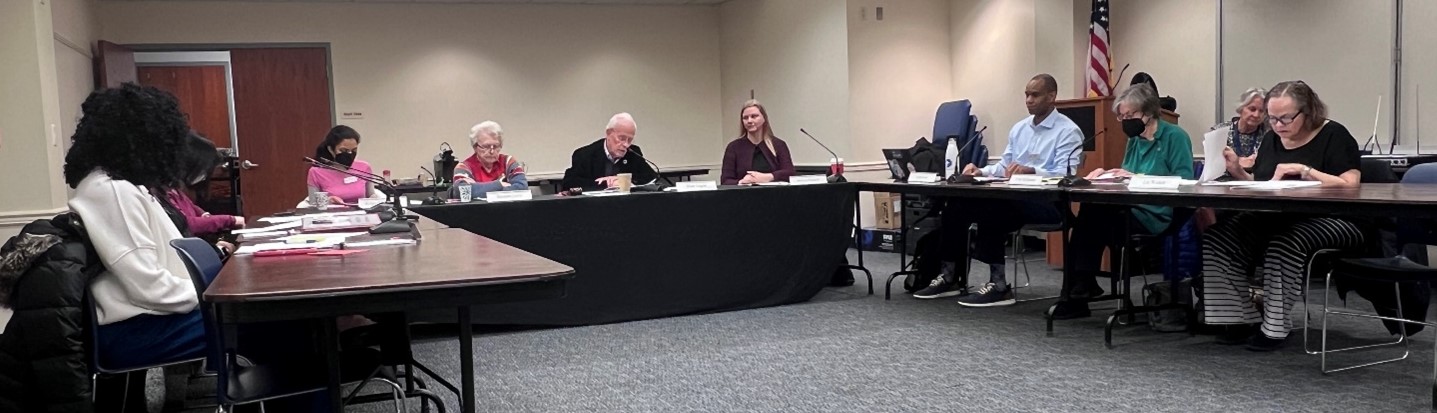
(899, 163)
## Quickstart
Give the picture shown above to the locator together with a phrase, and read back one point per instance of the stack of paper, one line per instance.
(1213, 143)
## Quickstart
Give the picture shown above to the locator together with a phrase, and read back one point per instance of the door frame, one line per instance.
(226, 47)
(210, 58)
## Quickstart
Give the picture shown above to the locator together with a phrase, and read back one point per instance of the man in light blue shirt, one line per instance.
(1045, 143)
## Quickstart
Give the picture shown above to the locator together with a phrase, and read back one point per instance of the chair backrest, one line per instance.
(1377, 171)
(952, 119)
(204, 265)
(1421, 174)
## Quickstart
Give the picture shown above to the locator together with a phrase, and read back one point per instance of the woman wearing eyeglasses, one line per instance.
(1303, 145)
(487, 169)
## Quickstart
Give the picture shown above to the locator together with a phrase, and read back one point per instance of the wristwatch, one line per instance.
(1305, 171)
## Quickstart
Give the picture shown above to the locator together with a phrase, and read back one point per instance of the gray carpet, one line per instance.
(846, 351)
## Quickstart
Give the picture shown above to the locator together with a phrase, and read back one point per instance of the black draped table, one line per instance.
(651, 255)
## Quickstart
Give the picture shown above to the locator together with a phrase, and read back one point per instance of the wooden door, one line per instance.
(114, 65)
(202, 93)
(282, 112)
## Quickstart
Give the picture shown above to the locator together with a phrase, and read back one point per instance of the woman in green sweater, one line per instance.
(1155, 147)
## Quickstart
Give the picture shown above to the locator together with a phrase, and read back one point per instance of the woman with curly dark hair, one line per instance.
(125, 150)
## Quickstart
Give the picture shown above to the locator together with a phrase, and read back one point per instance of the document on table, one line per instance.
(275, 246)
(1280, 185)
(1213, 143)
(271, 228)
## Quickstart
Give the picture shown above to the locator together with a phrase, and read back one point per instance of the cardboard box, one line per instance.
(886, 210)
(879, 239)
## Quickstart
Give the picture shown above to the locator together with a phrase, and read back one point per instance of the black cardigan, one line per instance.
(589, 161)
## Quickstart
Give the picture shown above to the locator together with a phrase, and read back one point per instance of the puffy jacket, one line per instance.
(44, 274)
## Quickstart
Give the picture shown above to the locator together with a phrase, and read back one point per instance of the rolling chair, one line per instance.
(238, 384)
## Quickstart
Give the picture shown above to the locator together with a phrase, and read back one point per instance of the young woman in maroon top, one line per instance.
(757, 156)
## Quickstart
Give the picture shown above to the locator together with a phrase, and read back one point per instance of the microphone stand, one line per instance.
(658, 174)
(1072, 179)
(836, 177)
(395, 224)
(434, 198)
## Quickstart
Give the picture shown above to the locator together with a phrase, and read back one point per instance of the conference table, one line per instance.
(444, 268)
(662, 254)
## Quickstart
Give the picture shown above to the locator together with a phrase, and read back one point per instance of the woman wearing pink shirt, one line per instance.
(340, 147)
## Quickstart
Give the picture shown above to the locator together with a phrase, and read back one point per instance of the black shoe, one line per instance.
(988, 296)
(1068, 310)
(1235, 334)
(939, 288)
(1263, 343)
(842, 277)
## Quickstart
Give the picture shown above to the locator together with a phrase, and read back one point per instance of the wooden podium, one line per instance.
(1094, 115)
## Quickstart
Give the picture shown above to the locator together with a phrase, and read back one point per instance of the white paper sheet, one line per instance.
(1213, 143)
(1280, 185)
(271, 228)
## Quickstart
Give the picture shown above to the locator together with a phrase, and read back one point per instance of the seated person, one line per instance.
(198, 159)
(488, 169)
(757, 156)
(1303, 144)
(595, 166)
(1044, 143)
(1248, 127)
(1155, 147)
(340, 148)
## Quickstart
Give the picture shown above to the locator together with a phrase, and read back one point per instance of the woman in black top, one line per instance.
(1303, 145)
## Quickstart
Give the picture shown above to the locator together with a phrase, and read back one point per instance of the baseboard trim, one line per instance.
(20, 218)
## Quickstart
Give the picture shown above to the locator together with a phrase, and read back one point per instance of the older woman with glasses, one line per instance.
(487, 169)
(1245, 131)
(1273, 247)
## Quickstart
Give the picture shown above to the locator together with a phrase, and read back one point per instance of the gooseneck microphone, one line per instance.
(1073, 180)
(837, 177)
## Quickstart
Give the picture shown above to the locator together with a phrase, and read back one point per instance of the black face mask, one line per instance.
(1133, 127)
(344, 158)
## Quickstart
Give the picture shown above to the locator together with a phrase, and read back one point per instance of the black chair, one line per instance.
(1121, 283)
(98, 368)
(238, 383)
(1019, 259)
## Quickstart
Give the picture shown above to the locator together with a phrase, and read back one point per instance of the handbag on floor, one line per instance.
(1161, 293)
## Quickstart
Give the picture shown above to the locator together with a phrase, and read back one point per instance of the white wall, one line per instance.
(424, 73)
(794, 55)
(1175, 42)
(998, 45)
(1341, 48)
(29, 116)
(900, 70)
(1419, 76)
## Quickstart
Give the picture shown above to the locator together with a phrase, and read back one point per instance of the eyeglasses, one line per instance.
(488, 148)
(1283, 120)
(1126, 116)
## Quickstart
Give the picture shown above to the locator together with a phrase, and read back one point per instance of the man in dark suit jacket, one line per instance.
(595, 166)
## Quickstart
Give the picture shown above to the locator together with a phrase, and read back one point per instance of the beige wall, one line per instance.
(900, 70)
(1174, 41)
(424, 73)
(29, 115)
(1419, 71)
(794, 55)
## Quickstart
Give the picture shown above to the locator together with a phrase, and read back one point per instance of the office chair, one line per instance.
(238, 384)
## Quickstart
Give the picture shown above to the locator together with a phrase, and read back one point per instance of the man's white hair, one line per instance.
(487, 127)
(622, 117)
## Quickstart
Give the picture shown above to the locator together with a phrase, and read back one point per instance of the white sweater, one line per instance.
(131, 234)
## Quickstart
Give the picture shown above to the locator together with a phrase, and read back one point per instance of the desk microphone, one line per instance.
(434, 198)
(837, 177)
(397, 223)
(1073, 180)
(657, 173)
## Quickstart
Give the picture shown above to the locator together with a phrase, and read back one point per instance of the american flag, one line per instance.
(1100, 63)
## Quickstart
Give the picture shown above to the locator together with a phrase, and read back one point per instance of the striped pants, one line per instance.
(1272, 246)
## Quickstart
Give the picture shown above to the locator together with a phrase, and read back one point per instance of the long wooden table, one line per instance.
(446, 268)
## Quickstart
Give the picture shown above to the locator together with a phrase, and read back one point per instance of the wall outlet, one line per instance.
(352, 115)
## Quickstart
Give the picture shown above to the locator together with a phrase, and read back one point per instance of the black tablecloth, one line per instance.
(650, 255)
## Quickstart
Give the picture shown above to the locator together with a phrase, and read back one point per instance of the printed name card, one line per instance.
(923, 178)
(506, 196)
(1154, 182)
(1026, 180)
(807, 180)
(695, 186)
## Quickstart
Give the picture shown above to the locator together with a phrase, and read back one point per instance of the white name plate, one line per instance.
(1154, 182)
(695, 186)
(807, 180)
(1026, 180)
(507, 196)
(923, 178)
